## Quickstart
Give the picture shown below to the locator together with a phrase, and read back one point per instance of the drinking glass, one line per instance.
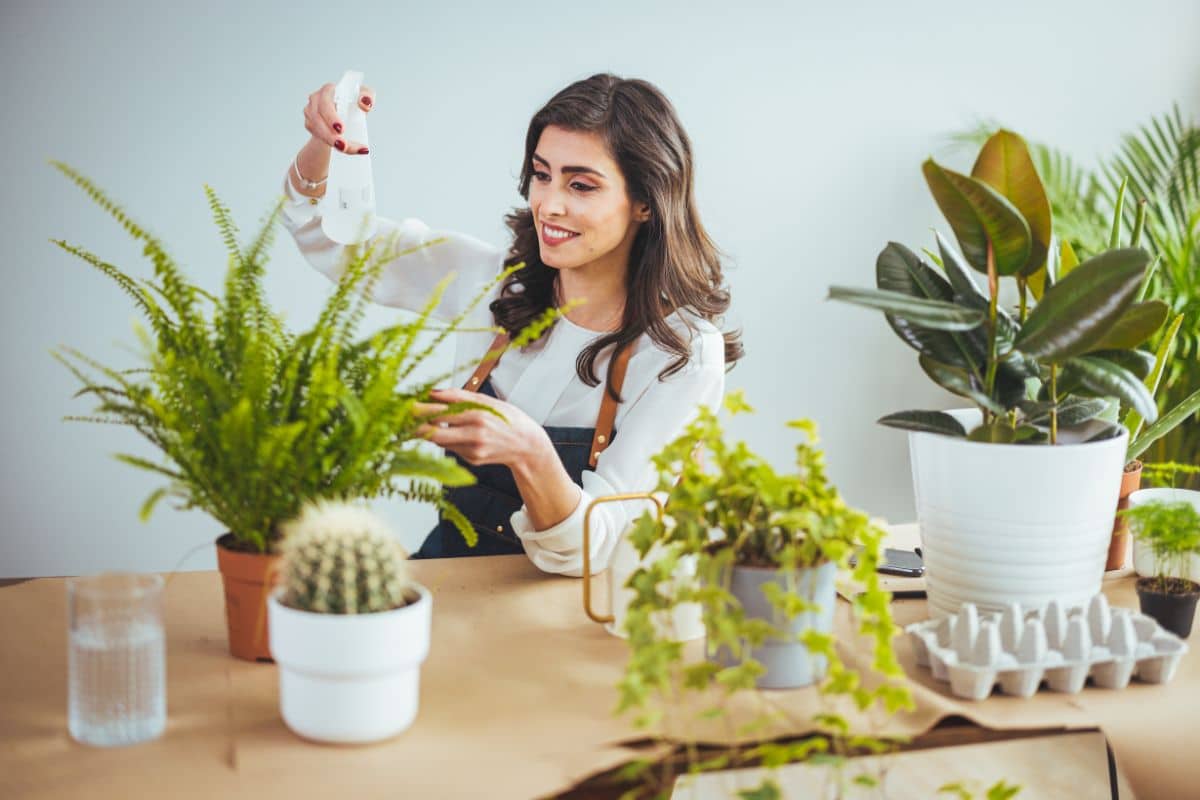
(117, 664)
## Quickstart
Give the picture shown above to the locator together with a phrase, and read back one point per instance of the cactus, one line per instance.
(340, 558)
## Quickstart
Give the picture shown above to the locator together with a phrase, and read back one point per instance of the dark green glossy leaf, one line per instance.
(956, 270)
(899, 269)
(1139, 322)
(1076, 313)
(967, 293)
(978, 214)
(1071, 411)
(936, 314)
(1005, 165)
(1139, 362)
(958, 382)
(927, 421)
(1106, 379)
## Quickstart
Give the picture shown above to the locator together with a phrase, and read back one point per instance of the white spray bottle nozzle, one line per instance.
(348, 210)
(345, 94)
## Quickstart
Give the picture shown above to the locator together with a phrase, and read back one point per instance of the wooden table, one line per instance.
(516, 701)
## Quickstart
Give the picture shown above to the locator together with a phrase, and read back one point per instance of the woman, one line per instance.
(611, 222)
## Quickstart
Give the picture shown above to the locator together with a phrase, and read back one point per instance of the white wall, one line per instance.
(809, 128)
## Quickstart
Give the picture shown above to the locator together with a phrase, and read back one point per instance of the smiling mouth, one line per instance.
(552, 234)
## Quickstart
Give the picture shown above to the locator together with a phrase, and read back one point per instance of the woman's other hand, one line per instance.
(480, 437)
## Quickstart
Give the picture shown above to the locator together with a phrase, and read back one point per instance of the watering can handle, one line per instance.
(587, 545)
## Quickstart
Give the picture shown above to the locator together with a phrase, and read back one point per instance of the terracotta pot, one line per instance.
(248, 578)
(1118, 547)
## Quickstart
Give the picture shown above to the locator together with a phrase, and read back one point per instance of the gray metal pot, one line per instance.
(789, 664)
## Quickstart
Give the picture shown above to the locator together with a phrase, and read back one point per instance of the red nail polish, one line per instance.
(337, 127)
(362, 151)
(366, 101)
(340, 145)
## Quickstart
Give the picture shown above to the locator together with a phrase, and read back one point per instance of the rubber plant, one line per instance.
(741, 511)
(1049, 363)
(1159, 165)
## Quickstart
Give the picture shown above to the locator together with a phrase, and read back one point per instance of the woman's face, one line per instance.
(579, 202)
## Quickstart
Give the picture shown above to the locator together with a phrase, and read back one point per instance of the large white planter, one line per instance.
(1013, 523)
(349, 678)
(1143, 558)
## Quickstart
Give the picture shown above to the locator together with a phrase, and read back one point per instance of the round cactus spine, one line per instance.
(340, 558)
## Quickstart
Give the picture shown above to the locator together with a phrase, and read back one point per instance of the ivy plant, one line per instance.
(727, 506)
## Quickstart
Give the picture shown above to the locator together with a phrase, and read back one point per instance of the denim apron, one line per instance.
(493, 498)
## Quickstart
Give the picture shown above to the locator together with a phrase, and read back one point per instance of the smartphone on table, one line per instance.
(906, 563)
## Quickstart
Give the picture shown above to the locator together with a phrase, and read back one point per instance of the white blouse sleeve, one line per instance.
(655, 418)
(408, 280)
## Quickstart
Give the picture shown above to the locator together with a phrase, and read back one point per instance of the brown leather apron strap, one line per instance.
(608, 407)
(488, 364)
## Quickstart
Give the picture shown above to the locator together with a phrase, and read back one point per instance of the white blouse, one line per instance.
(541, 379)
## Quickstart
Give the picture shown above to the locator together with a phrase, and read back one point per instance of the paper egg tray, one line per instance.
(1059, 647)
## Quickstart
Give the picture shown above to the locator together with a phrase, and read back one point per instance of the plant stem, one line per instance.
(1021, 284)
(994, 291)
(1054, 404)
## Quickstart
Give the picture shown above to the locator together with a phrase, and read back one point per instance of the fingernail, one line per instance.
(339, 144)
(337, 126)
(366, 101)
(362, 151)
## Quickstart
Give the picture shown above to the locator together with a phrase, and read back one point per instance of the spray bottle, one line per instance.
(348, 207)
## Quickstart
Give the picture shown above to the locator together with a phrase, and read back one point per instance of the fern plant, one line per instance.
(251, 419)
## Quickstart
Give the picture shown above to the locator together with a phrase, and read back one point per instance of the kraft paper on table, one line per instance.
(516, 700)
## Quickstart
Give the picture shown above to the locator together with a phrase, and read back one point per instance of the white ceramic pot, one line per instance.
(1005, 523)
(1143, 558)
(349, 678)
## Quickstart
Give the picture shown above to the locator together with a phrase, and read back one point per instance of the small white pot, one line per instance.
(349, 678)
(1006, 523)
(1144, 562)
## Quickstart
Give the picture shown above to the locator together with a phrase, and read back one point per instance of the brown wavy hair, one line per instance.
(673, 263)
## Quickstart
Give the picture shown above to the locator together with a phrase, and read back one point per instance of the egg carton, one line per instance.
(1059, 646)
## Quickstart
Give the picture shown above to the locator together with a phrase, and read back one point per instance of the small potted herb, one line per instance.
(349, 627)
(1172, 532)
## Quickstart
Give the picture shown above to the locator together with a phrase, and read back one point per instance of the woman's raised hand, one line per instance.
(321, 120)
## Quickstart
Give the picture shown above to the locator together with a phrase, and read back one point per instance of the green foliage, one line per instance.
(727, 506)
(340, 558)
(252, 419)
(1084, 326)
(1158, 167)
(1000, 790)
(1167, 473)
(1171, 530)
